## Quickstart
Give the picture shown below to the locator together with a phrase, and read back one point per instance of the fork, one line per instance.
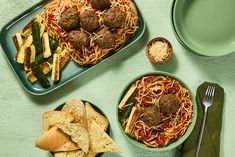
(207, 102)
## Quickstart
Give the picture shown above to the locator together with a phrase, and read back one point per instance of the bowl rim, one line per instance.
(179, 141)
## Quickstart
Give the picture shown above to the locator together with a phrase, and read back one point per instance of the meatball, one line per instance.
(89, 20)
(69, 19)
(78, 39)
(169, 103)
(106, 39)
(100, 4)
(114, 18)
(151, 116)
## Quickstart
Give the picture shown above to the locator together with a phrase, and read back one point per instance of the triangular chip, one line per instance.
(55, 140)
(78, 134)
(100, 140)
(90, 153)
(51, 118)
(77, 109)
(92, 115)
(76, 153)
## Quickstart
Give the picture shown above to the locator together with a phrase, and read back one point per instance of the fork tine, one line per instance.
(212, 93)
(206, 97)
(207, 90)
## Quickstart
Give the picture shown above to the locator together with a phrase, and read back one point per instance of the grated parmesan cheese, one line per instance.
(159, 50)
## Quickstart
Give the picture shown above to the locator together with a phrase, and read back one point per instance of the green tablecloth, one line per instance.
(21, 112)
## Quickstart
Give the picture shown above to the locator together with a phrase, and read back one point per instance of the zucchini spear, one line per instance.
(39, 59)
(20, 55)
(126, 112)
(40, 75)
(127, 96)
(45, 67)
(55, 74)
(36, 37)
(53, 44)
(29, 57)
(17, 39)
(47, 50)
(128, 108)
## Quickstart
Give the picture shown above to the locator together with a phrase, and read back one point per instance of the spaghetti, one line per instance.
(149, 90)
(90, 54)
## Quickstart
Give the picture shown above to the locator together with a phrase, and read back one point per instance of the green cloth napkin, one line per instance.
(210, 146)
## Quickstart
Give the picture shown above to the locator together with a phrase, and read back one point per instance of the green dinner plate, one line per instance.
(206, 27)
(70, 72)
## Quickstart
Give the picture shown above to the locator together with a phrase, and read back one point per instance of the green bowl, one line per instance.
(205, 27)
(175, 143)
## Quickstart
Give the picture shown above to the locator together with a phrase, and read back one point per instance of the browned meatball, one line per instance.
(69, 19)
(100, 4)
(106, 39)
(89, 20)
(169, 103)
(78, 39)
(151, 116)
(114, 17)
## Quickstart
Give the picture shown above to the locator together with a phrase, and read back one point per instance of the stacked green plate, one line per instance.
(205, 27)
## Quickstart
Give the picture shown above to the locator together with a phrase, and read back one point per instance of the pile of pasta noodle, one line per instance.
(146, 92)
(90, 54)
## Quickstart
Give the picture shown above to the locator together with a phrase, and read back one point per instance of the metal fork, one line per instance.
(207, 102)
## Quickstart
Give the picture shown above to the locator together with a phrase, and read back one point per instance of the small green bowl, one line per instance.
(173, 144)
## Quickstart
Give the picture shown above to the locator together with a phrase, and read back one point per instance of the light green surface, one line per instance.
(206, 26)
(21, 112)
